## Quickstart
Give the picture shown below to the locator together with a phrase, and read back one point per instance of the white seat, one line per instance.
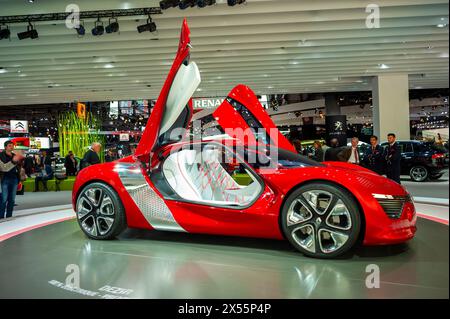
(176, 172)
(199, 176)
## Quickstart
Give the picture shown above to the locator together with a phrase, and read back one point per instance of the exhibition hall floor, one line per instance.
(151, 264)
(43, 248)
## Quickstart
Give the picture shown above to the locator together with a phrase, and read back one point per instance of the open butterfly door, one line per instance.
(241, 110)
(172, 112)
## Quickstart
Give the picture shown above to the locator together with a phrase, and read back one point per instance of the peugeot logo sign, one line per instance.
(338, 126)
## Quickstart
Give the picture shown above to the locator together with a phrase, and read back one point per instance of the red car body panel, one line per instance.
(262, 217)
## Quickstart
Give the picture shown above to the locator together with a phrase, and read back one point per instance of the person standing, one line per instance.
(298, 146)
(318, 152)
(332, 152)
(70, 163)
(393, 159)
(29, 165)
(350, 154)
(91, 156)
(374, 156)
(9, 179)
(109, 156)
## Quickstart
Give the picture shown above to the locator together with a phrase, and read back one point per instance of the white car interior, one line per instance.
(200, 177)
(183, 88)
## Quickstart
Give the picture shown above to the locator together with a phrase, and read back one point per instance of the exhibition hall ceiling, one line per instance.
(275, 47)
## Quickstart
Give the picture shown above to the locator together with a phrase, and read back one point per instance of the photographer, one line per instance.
(9, 176)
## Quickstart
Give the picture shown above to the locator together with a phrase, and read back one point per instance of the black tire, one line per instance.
(419, 173)
(95, 223)
(320, 221)
(436, 177)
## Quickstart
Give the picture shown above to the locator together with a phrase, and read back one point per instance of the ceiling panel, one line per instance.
(282, 46)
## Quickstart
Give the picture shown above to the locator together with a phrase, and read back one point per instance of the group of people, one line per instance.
(15, 167)
(384, 161)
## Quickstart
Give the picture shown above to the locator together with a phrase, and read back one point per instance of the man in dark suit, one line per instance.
(393, 158)
(70, 163)
(332, 153)
(374, 156)
(91, 156)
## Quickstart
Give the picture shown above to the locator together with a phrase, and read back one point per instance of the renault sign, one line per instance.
(212, 103)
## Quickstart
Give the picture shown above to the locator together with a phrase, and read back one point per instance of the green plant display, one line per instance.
(77, 134)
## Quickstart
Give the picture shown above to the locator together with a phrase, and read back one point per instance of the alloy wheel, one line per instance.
(419, 173)
(95, 211)
(319, 222)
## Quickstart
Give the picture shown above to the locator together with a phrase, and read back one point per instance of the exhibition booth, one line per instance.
(172, 180)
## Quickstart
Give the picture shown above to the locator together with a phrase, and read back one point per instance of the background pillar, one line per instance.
(390, 94)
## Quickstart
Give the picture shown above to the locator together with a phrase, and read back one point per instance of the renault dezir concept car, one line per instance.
(212, 186)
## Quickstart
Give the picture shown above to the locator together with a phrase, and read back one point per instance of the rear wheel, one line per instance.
(321, 220)
(100, 212)
(418, 173)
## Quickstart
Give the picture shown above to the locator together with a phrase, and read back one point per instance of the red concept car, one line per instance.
(254, 186)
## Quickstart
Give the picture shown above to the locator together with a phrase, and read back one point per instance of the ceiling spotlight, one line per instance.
(235, 2)
(441, 25)
(81, 30)
(4, 32)
(98, 29)
(204, 3)
(113, 26)
(383, 66)
(149, 26)
(166, 4)
(30, 33)
(184, 4)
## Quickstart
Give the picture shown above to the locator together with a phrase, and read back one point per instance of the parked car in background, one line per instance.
(422, 160)
(59, 166)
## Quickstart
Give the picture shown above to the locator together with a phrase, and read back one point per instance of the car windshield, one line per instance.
(271, 157)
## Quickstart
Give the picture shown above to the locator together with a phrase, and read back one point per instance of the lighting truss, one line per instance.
(83, 15)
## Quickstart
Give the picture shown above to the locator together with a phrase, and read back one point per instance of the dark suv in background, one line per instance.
(422, 160)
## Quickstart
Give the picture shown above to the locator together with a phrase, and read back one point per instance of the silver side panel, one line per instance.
(150, 204)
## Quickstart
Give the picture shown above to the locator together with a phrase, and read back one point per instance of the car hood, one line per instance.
(358, 180)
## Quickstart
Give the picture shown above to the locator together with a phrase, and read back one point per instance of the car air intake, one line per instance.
(393, 207)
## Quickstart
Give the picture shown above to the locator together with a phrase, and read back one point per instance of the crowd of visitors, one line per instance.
(15, 168)
(384, 161)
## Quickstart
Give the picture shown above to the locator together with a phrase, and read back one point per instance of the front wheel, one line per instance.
(418, 173)
(100, 212)
(321, 220)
